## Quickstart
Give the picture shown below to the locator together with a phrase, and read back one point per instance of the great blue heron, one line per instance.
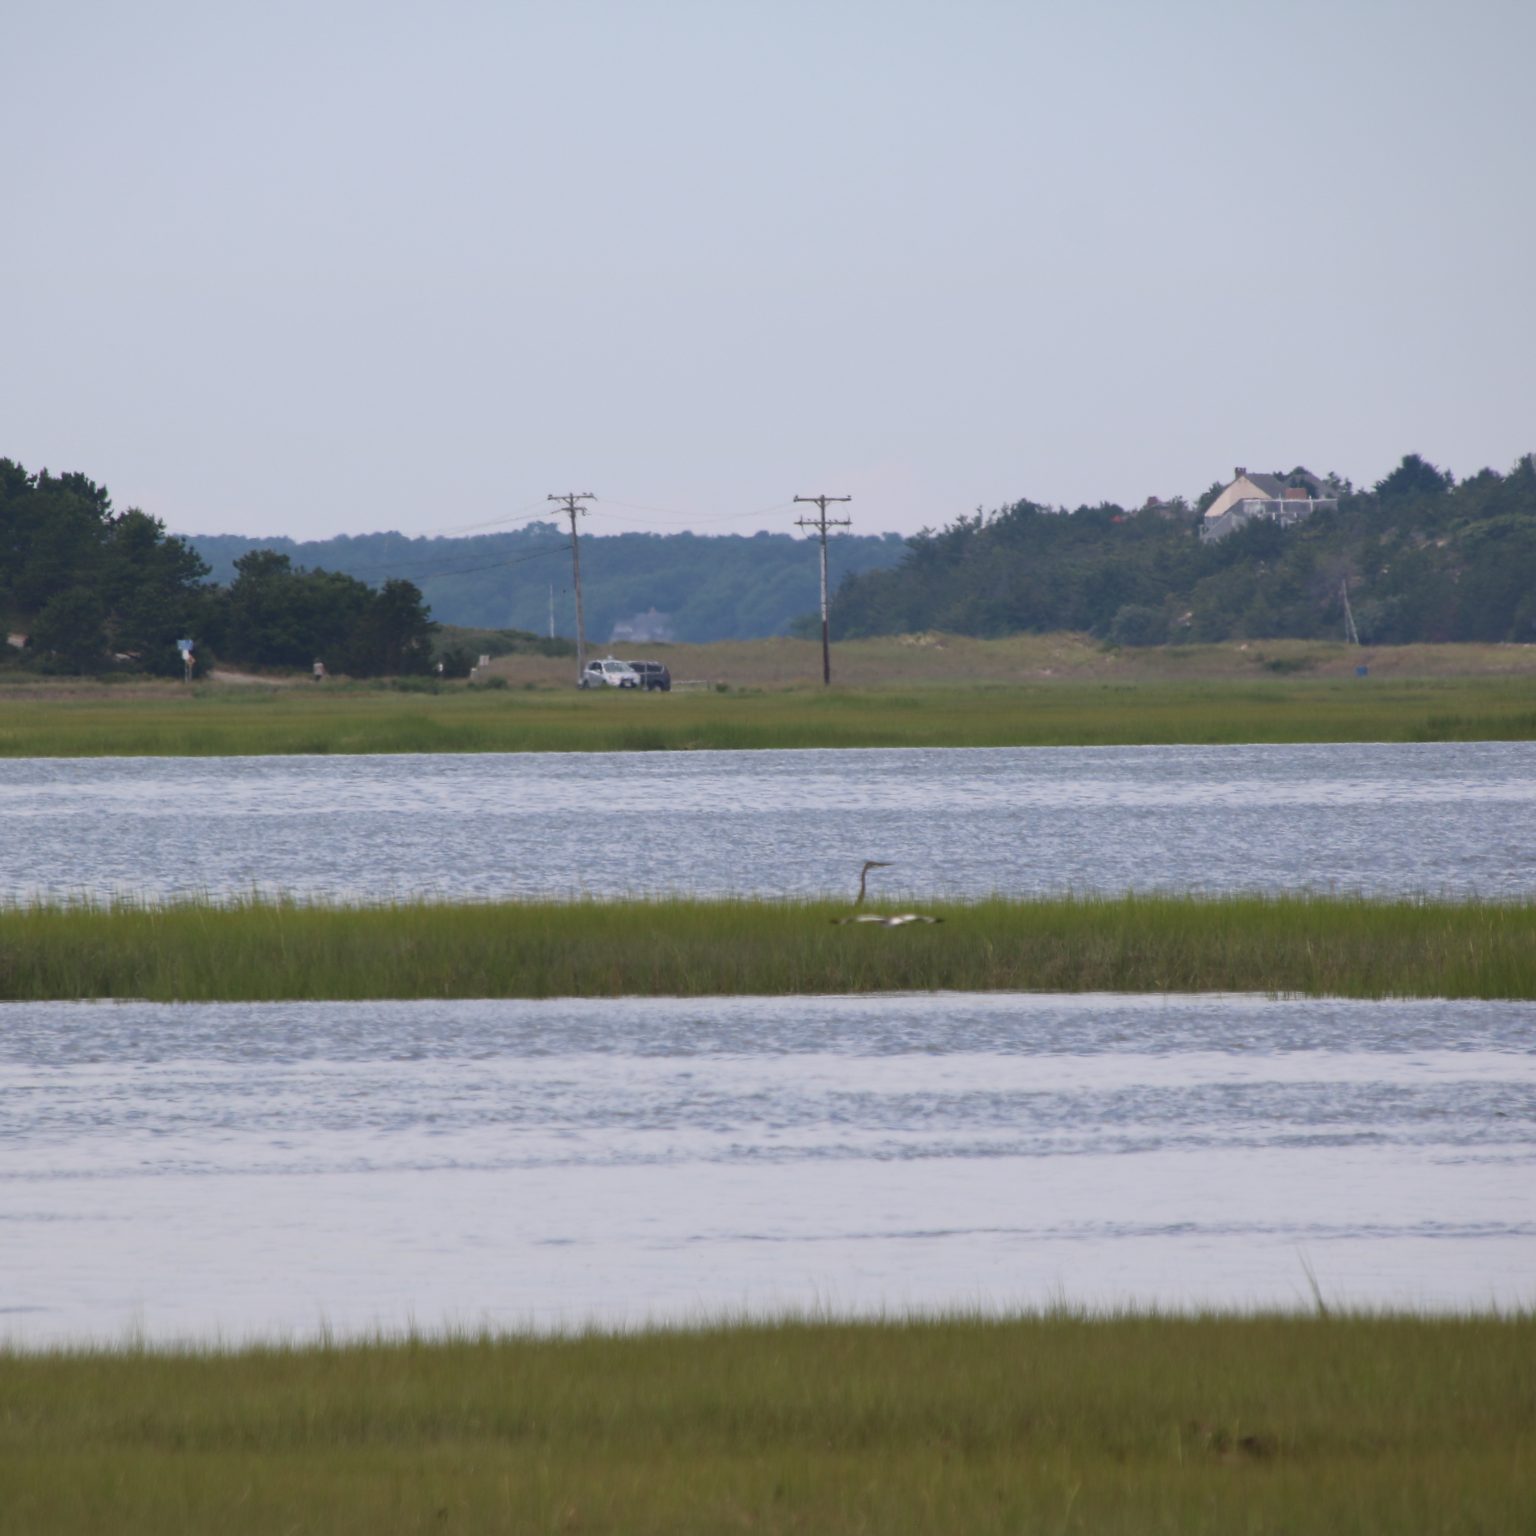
(869, 864)
(883, 919)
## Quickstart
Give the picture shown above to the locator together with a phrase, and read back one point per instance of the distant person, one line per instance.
(319, 670)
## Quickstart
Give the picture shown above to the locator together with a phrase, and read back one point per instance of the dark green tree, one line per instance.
(277, 615)
(1139, 624)
(70, 633)
(265, 622)
(1413, 477)
(153, 588)
(59, 536)
(393, 634)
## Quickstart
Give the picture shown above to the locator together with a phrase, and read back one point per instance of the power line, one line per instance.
(522, 515)
(573, 511)
(821, 522)
(464, 565)
(456, 567)
(479, 565)
(686, 517)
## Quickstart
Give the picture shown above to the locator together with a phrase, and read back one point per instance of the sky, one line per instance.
(343, 266)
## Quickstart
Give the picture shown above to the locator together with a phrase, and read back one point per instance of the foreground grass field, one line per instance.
(267, 950)
(1115, 1425)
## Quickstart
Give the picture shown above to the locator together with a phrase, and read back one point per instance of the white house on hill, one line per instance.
(1284, 499)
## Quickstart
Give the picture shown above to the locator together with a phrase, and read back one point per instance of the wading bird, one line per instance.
(884, 919)
(869, 864)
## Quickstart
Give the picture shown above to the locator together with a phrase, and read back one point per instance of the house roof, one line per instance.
(1271, 485)
(1275, 485)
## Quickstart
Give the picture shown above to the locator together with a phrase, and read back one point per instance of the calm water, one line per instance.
(241, 1170)
(236, 1170)
(1456, 819)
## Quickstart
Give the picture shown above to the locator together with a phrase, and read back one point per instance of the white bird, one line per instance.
(889, 920)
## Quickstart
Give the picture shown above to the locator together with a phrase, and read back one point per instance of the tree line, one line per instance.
(708, 587)
(88, 589)
(1419, 557)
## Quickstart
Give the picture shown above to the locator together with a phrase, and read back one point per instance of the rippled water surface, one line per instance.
(234, 1170)
(1458, 819)
(238, 1169)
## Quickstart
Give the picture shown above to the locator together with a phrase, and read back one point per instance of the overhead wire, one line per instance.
(532, 512)
(454, 565)
(494, 565)
(391, 569)
(681, 518)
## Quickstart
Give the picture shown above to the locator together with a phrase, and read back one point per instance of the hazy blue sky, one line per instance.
(336, 266)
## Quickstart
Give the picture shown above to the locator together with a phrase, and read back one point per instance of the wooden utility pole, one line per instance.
(573, 511)
(821, 522)
(1351, 634)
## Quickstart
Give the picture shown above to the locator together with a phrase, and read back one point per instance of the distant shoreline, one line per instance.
(908, 691)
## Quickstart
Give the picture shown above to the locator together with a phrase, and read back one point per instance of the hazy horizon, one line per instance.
(306, 271)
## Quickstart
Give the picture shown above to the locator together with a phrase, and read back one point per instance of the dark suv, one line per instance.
(653, 675)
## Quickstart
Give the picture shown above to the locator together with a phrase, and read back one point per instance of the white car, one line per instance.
(609, 673)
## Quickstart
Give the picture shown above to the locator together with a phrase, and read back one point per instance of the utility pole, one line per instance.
(1351, 634)
(821, 523)
(573, 511)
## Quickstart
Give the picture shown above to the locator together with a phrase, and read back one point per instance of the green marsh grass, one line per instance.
(1200, 1425)
(249, 721)
(255, 949)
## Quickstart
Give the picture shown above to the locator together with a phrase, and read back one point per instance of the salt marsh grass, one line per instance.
(256, 949)
(1052, 1423)
(258, 721)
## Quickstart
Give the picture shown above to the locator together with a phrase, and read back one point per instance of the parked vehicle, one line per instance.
(609, 673)
(652, 675)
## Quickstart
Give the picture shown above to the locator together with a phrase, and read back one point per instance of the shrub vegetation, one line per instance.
(1423, 557)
